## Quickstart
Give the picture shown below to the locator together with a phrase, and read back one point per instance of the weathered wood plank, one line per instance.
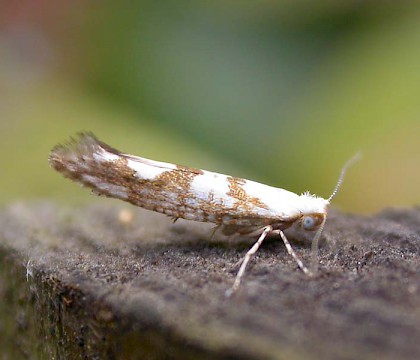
(92, 283)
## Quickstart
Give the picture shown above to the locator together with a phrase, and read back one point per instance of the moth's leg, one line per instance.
(215, 229)
(246, 259)
(292, 252)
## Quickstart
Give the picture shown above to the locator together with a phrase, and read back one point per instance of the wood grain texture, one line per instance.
(90, 283)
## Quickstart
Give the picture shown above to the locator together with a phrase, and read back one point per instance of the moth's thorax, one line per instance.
(311, 204)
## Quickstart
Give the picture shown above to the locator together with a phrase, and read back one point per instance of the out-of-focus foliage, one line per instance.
(283, 92)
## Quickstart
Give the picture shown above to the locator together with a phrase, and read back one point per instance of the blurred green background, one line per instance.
(282, 92)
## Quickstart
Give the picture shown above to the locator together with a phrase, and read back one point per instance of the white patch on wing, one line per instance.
(154, 163)
(212, 183)
(145, 171)
(115, 190)
(90, 179)
(172, 197)
(192, 202)
(104, 155)
(281, 203)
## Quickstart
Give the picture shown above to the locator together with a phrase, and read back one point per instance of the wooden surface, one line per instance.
(109, 282)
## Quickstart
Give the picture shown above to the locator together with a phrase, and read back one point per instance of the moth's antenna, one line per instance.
(315, 241)
(343, 172)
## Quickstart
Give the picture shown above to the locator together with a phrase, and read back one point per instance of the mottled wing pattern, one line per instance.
(174, 190)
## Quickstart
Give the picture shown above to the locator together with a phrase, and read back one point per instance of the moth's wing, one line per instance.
(208, 196)
(174, 190)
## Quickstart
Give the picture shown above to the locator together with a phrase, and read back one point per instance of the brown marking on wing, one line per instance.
(235, 189)
(243, 199)
(177, 182)
(190, 170)
(209, 208)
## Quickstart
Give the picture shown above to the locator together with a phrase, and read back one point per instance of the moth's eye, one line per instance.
(309, 223)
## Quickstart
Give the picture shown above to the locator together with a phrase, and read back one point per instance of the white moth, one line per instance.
(235, 205)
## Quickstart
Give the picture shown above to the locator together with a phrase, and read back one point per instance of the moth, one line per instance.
(236, 206)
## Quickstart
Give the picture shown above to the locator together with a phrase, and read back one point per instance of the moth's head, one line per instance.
(313, 211)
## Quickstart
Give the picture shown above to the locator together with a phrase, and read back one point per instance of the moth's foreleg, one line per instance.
(292, 252)
(246, 259)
